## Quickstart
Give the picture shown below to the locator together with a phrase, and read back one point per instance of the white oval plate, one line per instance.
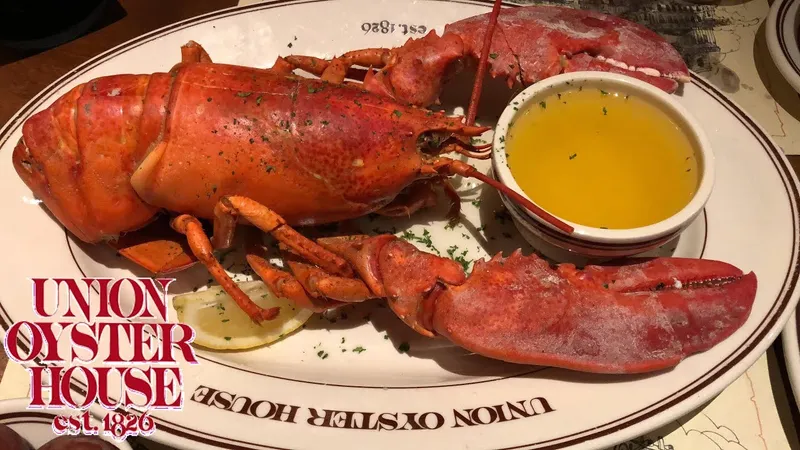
(783, 22)
(384, 398)
(36, 426)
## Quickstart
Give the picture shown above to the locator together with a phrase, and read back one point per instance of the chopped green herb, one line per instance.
(543, 105)
(476, 203)
(208, 99)
(359, 349)
(603, 93)
(226, 320)
(244, 94)
(227, 338)
(605, 111)
(397, 113)
(425, 239)
(258, 100)
(322, 354)
(605, 285)
(404, 347)
(493, 55)
(572, 156)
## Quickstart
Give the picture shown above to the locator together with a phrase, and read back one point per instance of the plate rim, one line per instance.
(788, 294)
(777, 19)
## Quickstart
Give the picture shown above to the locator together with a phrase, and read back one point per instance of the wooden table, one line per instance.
(21, 79)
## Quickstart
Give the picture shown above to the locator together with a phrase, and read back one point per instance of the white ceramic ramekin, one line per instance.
(601, 242)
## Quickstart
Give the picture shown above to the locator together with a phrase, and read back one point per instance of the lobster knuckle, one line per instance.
(423, 65)
(409, 277)
(363, 253)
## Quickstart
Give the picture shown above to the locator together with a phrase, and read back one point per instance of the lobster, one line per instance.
(274, 150)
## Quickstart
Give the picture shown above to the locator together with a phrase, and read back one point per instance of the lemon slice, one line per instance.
(220, 324)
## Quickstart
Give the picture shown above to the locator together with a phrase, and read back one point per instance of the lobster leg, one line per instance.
(284, 284)
(421, 196)
(371, 57)
(201, 247)
(319, 283)
(417, 196)
(231, 207)
(336, 70)
(227, 211)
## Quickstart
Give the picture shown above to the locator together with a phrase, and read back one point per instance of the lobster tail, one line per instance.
(77, 156)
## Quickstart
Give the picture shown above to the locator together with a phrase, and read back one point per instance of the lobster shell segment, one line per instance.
(640, 318)
(536, 42)
(78, 154)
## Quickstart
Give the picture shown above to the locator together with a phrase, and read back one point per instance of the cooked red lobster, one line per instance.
(273, 150)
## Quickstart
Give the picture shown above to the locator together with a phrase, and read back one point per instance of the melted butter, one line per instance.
(602, 159)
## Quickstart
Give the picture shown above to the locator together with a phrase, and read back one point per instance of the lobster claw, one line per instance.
(634, 318)
(630, 319)
(396, 270)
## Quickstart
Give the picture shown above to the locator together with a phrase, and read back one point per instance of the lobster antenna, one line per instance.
(482, 64)
(473, 112)
(447, 166)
